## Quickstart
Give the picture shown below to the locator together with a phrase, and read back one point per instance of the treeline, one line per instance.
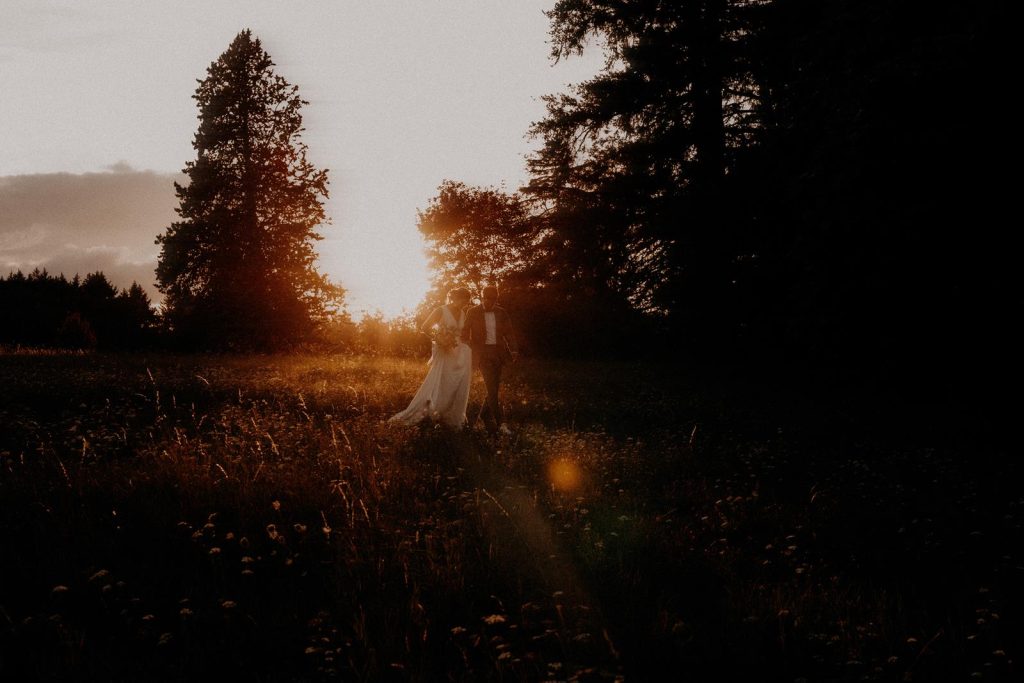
(809, 187)
(44, 311)
(40, 310)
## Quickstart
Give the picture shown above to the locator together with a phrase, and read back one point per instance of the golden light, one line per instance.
(387, 273)
(564, 475)
(401, 292)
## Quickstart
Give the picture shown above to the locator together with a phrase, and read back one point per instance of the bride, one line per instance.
(444, 394)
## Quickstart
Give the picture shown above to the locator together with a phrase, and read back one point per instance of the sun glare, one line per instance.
(382, 268)
(395, 294)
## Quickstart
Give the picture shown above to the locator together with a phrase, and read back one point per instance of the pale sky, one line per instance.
(98, 118)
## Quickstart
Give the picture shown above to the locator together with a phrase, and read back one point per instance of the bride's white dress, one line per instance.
(444, 394)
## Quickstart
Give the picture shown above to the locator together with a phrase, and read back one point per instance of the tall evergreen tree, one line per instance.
(634, 162)
(771, 174)
(238, 268)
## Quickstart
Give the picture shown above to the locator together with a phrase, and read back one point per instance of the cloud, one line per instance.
(80, 223)
(37, 27)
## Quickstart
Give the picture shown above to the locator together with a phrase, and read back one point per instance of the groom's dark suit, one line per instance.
(489, 357)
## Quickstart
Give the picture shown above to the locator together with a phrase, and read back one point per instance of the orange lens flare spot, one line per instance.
(564, 475)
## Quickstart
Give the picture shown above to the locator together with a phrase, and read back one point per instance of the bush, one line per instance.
(76, 333)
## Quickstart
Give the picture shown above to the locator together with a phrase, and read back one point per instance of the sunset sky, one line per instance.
(98, 121)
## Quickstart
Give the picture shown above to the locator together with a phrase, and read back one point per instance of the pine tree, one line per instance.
(635, 162)
(238, 269)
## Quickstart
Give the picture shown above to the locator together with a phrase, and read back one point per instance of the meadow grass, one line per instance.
(202, 517)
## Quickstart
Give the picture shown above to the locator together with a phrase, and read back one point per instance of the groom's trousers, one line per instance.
(490, 368)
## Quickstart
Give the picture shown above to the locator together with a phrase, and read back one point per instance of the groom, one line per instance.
(488, 331)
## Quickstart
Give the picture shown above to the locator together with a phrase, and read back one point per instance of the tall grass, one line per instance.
(170, 518)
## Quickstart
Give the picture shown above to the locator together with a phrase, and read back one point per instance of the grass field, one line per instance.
(170, 518)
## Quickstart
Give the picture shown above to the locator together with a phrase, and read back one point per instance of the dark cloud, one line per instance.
(80, 223)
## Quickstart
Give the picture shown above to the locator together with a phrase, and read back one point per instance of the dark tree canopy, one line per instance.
(811, 187)
(485, 235)
(238, 269)
(633, 161)
(50, 311)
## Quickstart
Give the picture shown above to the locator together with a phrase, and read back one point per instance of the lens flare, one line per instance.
(564, 475)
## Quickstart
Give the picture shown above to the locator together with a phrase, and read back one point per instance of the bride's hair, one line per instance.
(459, 294)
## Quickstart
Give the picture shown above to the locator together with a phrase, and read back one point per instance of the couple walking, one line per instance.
(465, 337)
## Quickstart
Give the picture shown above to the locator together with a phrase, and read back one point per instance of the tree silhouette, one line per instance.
(772, 177)
(238, 268)
(633, 162)
(134, 323)
(42, 310)
(476, 236)
(486, 235)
